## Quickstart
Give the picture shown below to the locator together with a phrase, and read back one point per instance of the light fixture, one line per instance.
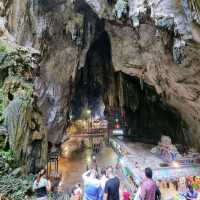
(88, 159)
(88, 111)
(175, 164)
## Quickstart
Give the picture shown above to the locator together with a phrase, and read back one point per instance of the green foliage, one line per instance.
(3, 48)
(7, 156)
(16, 188)
(11, 186)
(1, 105)
(2, 142)
(7, 163)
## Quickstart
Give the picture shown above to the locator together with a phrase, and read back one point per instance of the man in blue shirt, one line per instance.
(92, 187)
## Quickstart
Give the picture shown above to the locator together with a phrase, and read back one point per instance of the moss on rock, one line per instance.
(18, 106)
(1, 105)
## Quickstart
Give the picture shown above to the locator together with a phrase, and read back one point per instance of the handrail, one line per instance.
(87, 135)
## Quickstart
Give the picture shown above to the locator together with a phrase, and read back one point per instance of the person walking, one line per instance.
(73, 195)
(137, 194)
(41, 186)
(103, 181)
(191, 194)
(91, 185)
(148, 187)
(111, 191)
(94, 164)
(126, 194)
(78, 191)
(158, 194)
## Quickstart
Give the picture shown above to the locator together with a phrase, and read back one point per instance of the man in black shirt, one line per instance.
(112, 186)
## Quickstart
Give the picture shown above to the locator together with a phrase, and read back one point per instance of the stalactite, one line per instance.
(121, 92)
(142, 77)
(142, 82)
(121, 8)
(178, 50)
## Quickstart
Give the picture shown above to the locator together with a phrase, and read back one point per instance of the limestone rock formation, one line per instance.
(149, 59)
(20, 116)
(51, 26)
(84, 45)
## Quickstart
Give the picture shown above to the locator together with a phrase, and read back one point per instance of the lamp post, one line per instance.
(90, 116)
(70, 117)
(88, 111)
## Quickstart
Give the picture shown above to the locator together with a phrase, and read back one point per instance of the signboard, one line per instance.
(118, 132)
(189, 161)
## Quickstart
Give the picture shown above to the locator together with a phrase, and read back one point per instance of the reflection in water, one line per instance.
(72, 168)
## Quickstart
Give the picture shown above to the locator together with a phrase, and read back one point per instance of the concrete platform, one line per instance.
(138, 156)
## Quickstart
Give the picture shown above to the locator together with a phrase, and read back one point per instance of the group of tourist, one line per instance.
(97, 145)
(106, 186)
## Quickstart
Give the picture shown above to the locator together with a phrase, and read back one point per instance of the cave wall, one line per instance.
(154, 41)
(63, 31)
(52, 28)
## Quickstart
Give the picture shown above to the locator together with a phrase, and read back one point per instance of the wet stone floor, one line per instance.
(72, 168)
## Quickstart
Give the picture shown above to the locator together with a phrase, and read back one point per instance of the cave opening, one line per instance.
(94, 78)
(122, 99)
(125, 102)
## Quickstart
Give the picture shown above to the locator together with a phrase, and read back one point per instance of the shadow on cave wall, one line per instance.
(147, 115)
(95, 77)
